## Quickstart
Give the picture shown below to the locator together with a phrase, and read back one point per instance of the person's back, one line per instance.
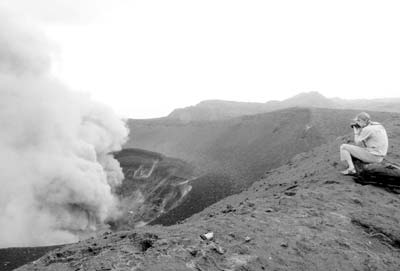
(374, 138)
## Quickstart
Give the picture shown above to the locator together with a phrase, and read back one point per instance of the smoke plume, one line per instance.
(56, 173)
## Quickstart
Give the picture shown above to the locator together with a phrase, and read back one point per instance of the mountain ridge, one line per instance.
(209, 110)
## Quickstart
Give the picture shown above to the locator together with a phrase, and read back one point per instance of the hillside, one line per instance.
(153, 184)
(243, 148)
(156, 185)
(230, 155)
(301, 216)
(211, 110)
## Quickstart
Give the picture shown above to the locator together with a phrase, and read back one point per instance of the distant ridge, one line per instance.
(216, 110)
(211, 110)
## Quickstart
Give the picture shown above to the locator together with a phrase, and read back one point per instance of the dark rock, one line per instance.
(194, 252)
(290, 193)
(146, 244)
(229, 208)
(357, 201)
(218, 249)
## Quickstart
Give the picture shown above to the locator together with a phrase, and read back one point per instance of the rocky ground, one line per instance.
(11, 258)
(301, 216)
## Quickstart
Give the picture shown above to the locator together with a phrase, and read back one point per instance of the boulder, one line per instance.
(385, 174)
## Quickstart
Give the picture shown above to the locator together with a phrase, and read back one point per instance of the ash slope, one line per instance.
(244, 148)
(301, 216)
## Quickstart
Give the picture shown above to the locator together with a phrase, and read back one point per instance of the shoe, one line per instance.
(349, 171)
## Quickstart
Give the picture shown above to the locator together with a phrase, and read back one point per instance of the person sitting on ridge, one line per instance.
(371, 143)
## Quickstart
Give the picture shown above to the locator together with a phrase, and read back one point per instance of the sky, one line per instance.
(146, 58)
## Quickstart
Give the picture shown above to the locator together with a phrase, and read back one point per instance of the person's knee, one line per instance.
(344, 147)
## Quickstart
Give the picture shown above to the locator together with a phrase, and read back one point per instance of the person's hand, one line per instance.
(356, 130)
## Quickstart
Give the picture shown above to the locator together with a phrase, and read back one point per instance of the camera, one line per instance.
(355, 124)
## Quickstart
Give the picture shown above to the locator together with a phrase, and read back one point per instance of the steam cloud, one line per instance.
(56, 174)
